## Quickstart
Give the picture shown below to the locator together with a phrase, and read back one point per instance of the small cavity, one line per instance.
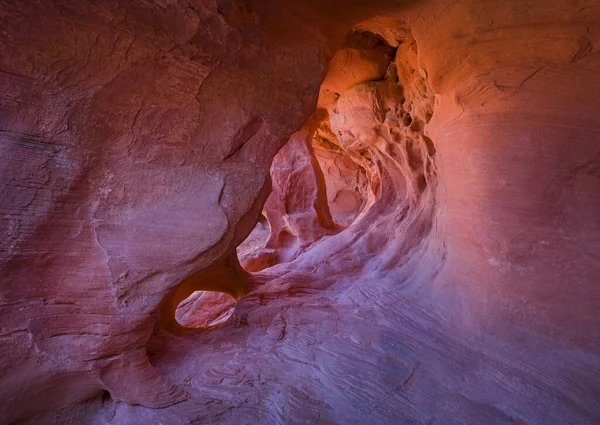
(205, 309)
(417, 126)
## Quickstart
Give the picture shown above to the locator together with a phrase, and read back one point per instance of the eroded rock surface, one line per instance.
(432, 247)
(205, 309)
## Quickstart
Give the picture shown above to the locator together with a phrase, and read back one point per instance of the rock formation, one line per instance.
(299, 212)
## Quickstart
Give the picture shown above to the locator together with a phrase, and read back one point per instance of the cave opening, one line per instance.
(362, 163)
(362, 150)
(253, 252)
(205, 309)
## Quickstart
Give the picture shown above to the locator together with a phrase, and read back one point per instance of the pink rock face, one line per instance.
(204, 309)
(316, 212)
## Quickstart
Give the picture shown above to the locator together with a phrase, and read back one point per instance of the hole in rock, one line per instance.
(417, 126)
(205, 309)
(253, 253)
(353, 156)
(257, 239)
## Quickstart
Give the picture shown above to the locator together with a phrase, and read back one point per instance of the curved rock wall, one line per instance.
(515, 137)
(128, 131)
(457, 280)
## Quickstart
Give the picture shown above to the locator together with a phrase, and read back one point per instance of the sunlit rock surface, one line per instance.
(423, 182)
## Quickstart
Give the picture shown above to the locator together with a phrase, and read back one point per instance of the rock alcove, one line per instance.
(287, 212)
(329, 174)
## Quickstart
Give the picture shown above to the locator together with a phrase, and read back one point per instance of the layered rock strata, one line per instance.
(432, 212)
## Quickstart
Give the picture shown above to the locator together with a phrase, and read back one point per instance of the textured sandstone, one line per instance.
(431, 251)
(204, 309)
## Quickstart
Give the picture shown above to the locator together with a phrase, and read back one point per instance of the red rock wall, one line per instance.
(136, 145)
(516, 164)
(126, 130)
